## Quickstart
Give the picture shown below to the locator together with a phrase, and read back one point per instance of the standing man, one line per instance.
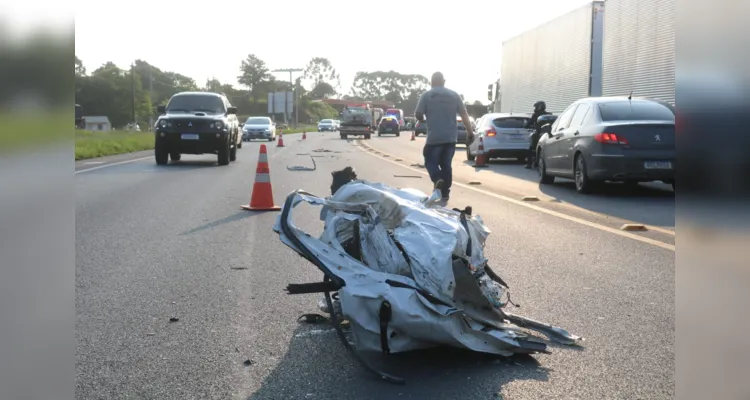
(441, 106)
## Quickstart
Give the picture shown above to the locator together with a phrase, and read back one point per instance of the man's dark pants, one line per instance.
(437, 160)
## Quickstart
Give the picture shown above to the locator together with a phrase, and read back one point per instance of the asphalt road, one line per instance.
(154, 243)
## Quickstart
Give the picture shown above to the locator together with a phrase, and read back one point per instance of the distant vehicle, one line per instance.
(504, 135)
(197, 123)
(326, 125)
(420, 128)
(133, 127)
(600, 139)
(80, 122)
(259, 128)
(337, 123)
(389, 125)
(462, 129)
(357, 120)
(398, 114)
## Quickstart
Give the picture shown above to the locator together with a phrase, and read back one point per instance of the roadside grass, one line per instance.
(91, 144)
(21, 132)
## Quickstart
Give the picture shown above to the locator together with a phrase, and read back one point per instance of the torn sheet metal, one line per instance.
(396, 247)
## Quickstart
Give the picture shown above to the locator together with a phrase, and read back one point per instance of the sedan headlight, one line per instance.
(164, 123)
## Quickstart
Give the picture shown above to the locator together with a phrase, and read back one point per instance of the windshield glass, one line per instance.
(258, 121)
(635, 111)
(196, 103)
(326, 121)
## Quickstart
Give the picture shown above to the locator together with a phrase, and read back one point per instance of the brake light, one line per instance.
(610, 138)
(491, 132)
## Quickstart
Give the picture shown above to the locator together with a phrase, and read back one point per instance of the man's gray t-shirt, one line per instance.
(441, 106)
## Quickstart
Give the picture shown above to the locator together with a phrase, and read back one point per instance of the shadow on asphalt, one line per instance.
(226, 220)
(614, 199)
(319, 367)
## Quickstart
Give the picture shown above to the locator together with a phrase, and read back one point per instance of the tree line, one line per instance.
(120, 93)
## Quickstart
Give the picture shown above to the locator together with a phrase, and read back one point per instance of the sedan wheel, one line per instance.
(583, 183)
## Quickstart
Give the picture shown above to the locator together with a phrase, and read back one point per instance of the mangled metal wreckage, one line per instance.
(408, 274)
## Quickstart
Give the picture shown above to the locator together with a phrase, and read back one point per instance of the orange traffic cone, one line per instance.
(481, 157)
(412, 136)
(262, 197)
(304, 135)
(280, 142)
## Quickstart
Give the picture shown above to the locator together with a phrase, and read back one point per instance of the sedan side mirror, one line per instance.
(547, 129)
(161, 109)
(231, 110)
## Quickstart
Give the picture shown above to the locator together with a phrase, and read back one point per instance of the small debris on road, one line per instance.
(150, 333)
(475, 183)
(530, 198)
(248, 363)
(239, 268)
(301, 168)
(417, 165)
(174, 319)
(312, 318)
(321, 151)
(407, 176)
(398, 159)
(633, 227)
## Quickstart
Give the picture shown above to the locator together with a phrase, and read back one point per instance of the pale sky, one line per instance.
(205, 39)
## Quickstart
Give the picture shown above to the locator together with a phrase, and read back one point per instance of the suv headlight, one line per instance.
(216, 125)
(164, 123)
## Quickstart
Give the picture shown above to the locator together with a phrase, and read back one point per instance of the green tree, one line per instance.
(253, 72)
(319, 70)
(401, 89)
(322, 90)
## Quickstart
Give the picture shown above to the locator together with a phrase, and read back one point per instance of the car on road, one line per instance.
(197, 123)
(609, 139)
(390, 125)
(327, 125)
(420, 128)
(504, 135)
(462, 136)
(259, 128)
(337, 123)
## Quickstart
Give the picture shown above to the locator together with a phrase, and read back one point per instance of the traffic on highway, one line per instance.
(287, 239)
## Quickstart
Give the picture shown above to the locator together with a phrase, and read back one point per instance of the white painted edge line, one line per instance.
(113, 164)
(570, 218)
(666, 231)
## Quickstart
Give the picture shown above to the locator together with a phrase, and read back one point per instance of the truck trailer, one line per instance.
(558, 62)
(356, 120)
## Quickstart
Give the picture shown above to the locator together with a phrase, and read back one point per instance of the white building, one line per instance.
(97, 123)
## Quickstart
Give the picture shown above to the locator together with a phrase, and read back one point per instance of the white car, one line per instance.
(327, 125)
(504, 135)
(259, 128)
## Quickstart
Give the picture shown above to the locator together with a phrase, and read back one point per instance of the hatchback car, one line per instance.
(389, 125)
(327, 125)
(259, 128)
(504, 135)
(609, 139)
(462, 136)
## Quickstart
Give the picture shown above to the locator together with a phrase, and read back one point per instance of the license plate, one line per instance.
(517, 136)
(190, 136)
(657, 165)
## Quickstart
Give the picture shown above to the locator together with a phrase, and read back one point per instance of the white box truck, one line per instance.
(558, 62)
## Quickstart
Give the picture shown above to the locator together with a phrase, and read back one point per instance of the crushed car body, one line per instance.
(409, 274)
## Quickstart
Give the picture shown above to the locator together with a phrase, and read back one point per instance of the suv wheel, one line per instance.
(542, 170)
(233, 153)
(223, 154)
(161, 154)
(367, 136)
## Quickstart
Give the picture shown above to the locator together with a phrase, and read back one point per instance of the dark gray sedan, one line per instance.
(609, 139)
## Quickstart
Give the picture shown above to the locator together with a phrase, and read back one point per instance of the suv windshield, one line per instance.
(258, 121)
(326, 121)
(636, 110)
(196, 103)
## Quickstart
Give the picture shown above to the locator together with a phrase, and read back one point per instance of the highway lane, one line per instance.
(651, 203)
(154, 243)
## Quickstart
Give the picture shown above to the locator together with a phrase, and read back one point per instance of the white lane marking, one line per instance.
(590, 224)
(113, 164)
(583, 210)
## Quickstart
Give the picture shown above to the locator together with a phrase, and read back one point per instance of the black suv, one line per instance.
(197, 123)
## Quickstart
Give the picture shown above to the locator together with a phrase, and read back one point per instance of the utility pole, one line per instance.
(291, 83)
(132, 81)
(150, 96)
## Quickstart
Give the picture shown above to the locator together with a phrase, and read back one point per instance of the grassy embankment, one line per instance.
(99, 144)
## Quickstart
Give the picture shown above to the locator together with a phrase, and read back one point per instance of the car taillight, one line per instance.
(491, 132)
(610, 138)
